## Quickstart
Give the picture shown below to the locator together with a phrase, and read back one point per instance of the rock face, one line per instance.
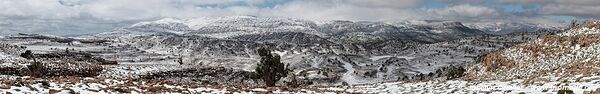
(572, 52)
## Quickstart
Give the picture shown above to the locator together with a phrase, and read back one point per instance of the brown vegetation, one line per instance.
(63, 69)
(587, 40)
(496, 60)
(587, 24)
(75, 56)
(206, 75)
(548, 47)
(10, 71)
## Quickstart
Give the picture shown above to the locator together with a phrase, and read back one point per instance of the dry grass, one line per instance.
(587, 40)
(495, 60)
(10, 71)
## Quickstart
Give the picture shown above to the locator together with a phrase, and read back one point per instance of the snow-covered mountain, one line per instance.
(319, 52)
(221, 50)
(326, 53)
(335, 31)
(507, 27)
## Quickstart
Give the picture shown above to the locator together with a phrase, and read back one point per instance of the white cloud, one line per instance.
(386, 3)
(144, 9)
(524, 1)
(119, 9)
(223, 1)
(578, 8)
(334, 10)
(460, 10)
(42, 8)
(468, 11)
(372, 10)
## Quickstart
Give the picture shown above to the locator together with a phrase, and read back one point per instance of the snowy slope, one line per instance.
(571, 52)
(336, 31)
(325, 53)
(505, 28)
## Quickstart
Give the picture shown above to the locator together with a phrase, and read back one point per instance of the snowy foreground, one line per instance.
(579, 84)
(551, 85)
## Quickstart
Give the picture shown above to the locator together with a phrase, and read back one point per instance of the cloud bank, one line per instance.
(305, 9)
(526, 11)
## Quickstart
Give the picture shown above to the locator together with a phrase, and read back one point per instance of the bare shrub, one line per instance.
(495, 60)
(64, 69)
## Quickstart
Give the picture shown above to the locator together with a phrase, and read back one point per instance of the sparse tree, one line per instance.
(36, 69)
(430, 74)
(270, 69)
(180, 60)
(28, 54)
(573, 24)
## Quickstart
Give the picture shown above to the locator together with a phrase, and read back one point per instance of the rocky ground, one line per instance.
(578, 84)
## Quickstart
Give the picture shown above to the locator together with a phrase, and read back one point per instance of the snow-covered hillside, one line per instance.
(505, 28)
(575, 51)
(336, 31)
(339, 51)
(325, 53)
(326, 57)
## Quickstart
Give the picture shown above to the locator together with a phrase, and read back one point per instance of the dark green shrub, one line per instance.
(28, 54)
(270, 69)
(455, 72)
(565, 91)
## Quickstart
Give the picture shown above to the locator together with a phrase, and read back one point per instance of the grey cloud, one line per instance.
(572, 10)
(386, 3)
(374, 10)
(578, 8)
(468, 11)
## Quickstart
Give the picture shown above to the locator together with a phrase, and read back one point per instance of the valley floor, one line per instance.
(578, 84)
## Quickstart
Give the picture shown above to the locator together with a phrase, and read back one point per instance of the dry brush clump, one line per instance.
(204, 74)
(495, 60)
(586, 24)
(11, 49)
(42, 66)
(72, 69)
(8, 70)
(587, 40)
(50, 69)
(75, 56)
(549, 46)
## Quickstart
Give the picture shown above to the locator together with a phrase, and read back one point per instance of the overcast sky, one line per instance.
(52, 15)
